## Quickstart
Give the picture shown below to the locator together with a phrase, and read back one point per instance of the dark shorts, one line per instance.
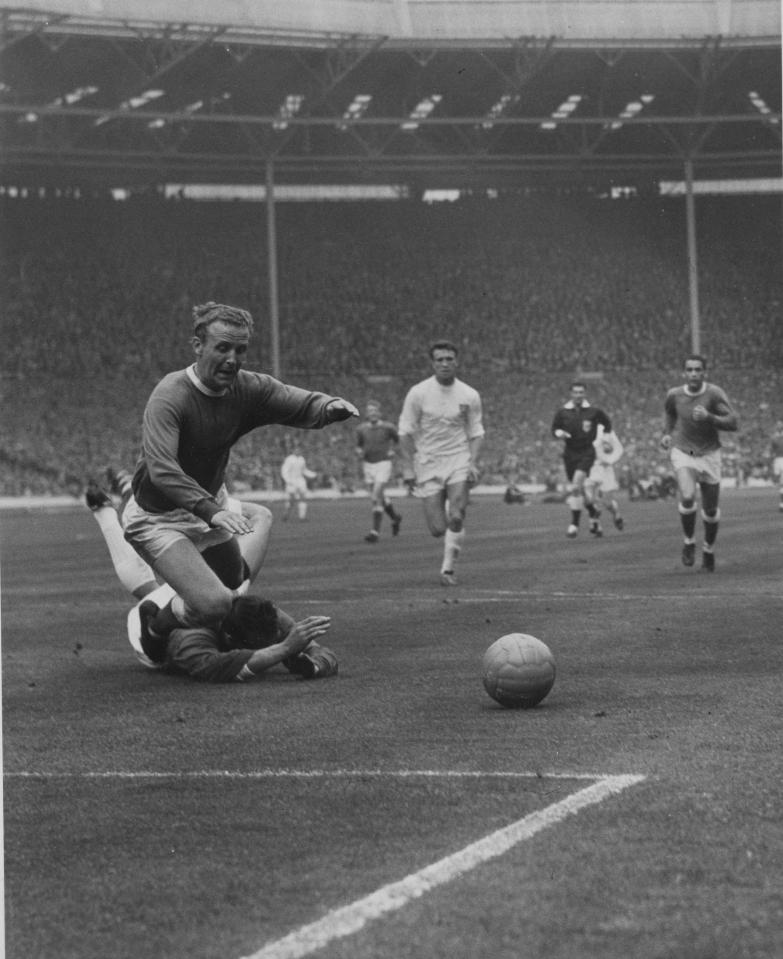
(582, 460)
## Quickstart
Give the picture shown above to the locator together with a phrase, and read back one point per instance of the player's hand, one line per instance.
(473, 476)
(666, 442)
(233, 522)
(340, 409)
(304, 632)
(700, 413)
(410, 483)
(562, 435)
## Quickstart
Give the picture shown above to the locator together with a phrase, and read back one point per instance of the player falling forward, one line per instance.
(441, 435)
(695, 413)
(603, 478)
(577, 423)
(376, 443)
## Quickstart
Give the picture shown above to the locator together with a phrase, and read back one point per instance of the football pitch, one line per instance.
(395, 811)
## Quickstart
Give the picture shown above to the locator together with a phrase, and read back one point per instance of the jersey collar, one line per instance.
(193, 377)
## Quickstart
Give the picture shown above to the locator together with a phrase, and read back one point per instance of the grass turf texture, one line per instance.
(663, 671)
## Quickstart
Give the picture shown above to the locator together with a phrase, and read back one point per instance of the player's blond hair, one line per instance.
(207, 313)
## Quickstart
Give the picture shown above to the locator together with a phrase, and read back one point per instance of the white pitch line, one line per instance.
(350, 919)
(256, 774)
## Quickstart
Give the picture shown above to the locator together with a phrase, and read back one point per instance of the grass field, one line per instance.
(395, 811)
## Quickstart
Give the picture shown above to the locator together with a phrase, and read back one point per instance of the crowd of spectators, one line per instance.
(97, 296)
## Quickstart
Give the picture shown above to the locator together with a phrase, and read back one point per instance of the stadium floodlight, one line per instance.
(357, 108)
(632, 109)
(288, 109)
(422, 111)
(499, 109)
(134, 103)
(564, 111)
(761, 105)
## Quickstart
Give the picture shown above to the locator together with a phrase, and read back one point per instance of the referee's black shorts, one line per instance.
(580, 460)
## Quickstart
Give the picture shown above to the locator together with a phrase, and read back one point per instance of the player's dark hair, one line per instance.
(252, 623)
(698, 358)
(443, 345)
(206, 313)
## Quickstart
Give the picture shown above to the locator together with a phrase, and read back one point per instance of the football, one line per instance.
(518, 670)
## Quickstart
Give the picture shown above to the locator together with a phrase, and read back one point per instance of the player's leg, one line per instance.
(592, 501)
(253, 546)
(457, 496)
(382, 481)
(710, 514)
(574, 497)
(375, 489)
(134, 574)
(686, 485)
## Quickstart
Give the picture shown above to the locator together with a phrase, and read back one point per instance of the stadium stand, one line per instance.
(97, 296)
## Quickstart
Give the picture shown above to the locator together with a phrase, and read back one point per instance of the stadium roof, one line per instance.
(429, 93)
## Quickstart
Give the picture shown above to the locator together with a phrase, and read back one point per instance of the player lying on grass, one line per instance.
(256, 636)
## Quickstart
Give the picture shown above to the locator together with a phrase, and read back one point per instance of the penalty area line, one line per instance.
(347, 920)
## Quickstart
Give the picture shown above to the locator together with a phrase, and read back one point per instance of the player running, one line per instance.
(376, 444)
(441, 435)
(577, 423)
(695, 413)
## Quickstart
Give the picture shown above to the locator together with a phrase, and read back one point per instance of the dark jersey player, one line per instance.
(577, 423)
(695, 414)
(376, 444)
(179, 519)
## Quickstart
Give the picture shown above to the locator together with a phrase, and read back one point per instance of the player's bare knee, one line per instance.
(214, 606)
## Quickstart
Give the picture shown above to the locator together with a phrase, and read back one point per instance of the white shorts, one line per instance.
(705, 469)
(433, 476)
(777, 467)
(151, 534)
(377, 474)
(604, 476)
(299, 488)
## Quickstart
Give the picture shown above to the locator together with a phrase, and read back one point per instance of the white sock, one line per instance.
(302, 509)
(451, 548)
(130, 568)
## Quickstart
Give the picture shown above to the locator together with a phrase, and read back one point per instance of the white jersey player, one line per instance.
(295, 475)
(441, 435)
(602, 477)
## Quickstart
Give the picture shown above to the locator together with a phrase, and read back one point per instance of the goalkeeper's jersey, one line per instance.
(695, 437)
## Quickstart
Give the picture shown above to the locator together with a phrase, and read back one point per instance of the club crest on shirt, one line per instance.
(464, 412)
(587, 425)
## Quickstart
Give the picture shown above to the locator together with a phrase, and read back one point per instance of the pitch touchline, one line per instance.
(298, 774)
(347, 920)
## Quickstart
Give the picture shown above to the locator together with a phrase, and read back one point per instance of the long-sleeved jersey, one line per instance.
(582, 422)
(188, 432)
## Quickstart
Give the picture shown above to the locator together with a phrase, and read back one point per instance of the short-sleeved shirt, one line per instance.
(442, 420)
(695, 437)
(376, 440)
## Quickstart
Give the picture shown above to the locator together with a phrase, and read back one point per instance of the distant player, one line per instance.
(603, 478)
(295, 475)
(694, 416)
(441, 435)
(577, 423)
(776, 453)
(376, 444)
